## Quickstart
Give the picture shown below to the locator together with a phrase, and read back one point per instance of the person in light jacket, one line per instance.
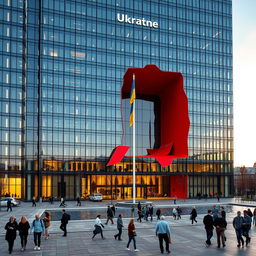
(98, 227)
(119, 227)
(163, 233)
(38, 227)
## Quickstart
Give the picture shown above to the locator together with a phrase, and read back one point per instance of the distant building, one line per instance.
(244, 181)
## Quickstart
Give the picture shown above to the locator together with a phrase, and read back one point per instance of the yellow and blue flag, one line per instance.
(132, 99)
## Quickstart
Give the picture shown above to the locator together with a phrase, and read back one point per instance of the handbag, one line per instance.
(169, 239)
(134, 234)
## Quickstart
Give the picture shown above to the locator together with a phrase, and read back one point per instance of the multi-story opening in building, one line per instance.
(62, 65)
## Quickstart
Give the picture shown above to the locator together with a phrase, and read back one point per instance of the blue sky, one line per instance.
(244, 74)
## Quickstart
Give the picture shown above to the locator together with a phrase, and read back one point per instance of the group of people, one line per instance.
(38, 227)
(145, 211)
(217, 219)
(162, 231)
(176, 213)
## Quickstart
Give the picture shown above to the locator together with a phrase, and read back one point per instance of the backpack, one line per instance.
(42, 224)
(68, 216)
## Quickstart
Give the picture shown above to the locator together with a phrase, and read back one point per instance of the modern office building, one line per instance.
(62, 65)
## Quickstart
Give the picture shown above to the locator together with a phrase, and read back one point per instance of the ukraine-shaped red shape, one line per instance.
(167, 91)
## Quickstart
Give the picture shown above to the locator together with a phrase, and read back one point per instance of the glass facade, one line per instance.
(62, 64)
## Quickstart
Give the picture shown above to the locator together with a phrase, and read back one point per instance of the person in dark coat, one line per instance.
(150, 212)
(33, 202)
(193, 215)
(11, 228)
(179, 211)
(246, 227)
(131, 234)
(23, 232)
(220, 225)
(139, 206)
(113, 208)
(158, 213)
(140, 215)
(208, 225)
(110, 215)
(249, 212)
(119, 227)
(9, 205)
(64, 222)
(223, 212)
(238, 226)
(78, 201)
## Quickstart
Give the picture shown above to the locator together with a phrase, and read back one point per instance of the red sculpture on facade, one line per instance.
(166, 90)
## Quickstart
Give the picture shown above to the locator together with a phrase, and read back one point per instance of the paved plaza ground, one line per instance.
(187, 239)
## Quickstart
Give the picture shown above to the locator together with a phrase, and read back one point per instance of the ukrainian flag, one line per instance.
(132, 99)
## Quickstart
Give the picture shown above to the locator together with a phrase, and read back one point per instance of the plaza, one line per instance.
(187, 239)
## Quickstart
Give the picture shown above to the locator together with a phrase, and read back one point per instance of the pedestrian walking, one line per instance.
(98, 227)
(174, 213)
(223, 215)
(208, 225)
(254, 217)
(179, 211)
(193, 215)
(47, 224)
(62, 202)
(223, 212)
(23, 232)
(64, 222)
(140, 215)
(78, 201)
(110, 215)
(34, 201)
(163, 233)
(175, 199)
(214, 212)
(246, 227)
(145, 212)
(40, 201)
(11, 227)
(38, 228)
(132, 212)
(220, 225)
(249, 212)
(9, 205)
(113, 208)
(158, 213)
(132, 234)
(238, 226)
(150, 212)
(119, 227)
(139, 206)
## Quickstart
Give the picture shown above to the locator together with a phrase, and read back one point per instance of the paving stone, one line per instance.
(187, 239)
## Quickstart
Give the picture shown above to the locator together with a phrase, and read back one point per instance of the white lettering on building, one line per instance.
(140, 22)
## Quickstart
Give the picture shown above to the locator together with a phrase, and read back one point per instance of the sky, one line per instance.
(244, 81)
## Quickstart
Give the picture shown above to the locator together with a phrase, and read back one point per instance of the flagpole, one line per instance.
(133, 139)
